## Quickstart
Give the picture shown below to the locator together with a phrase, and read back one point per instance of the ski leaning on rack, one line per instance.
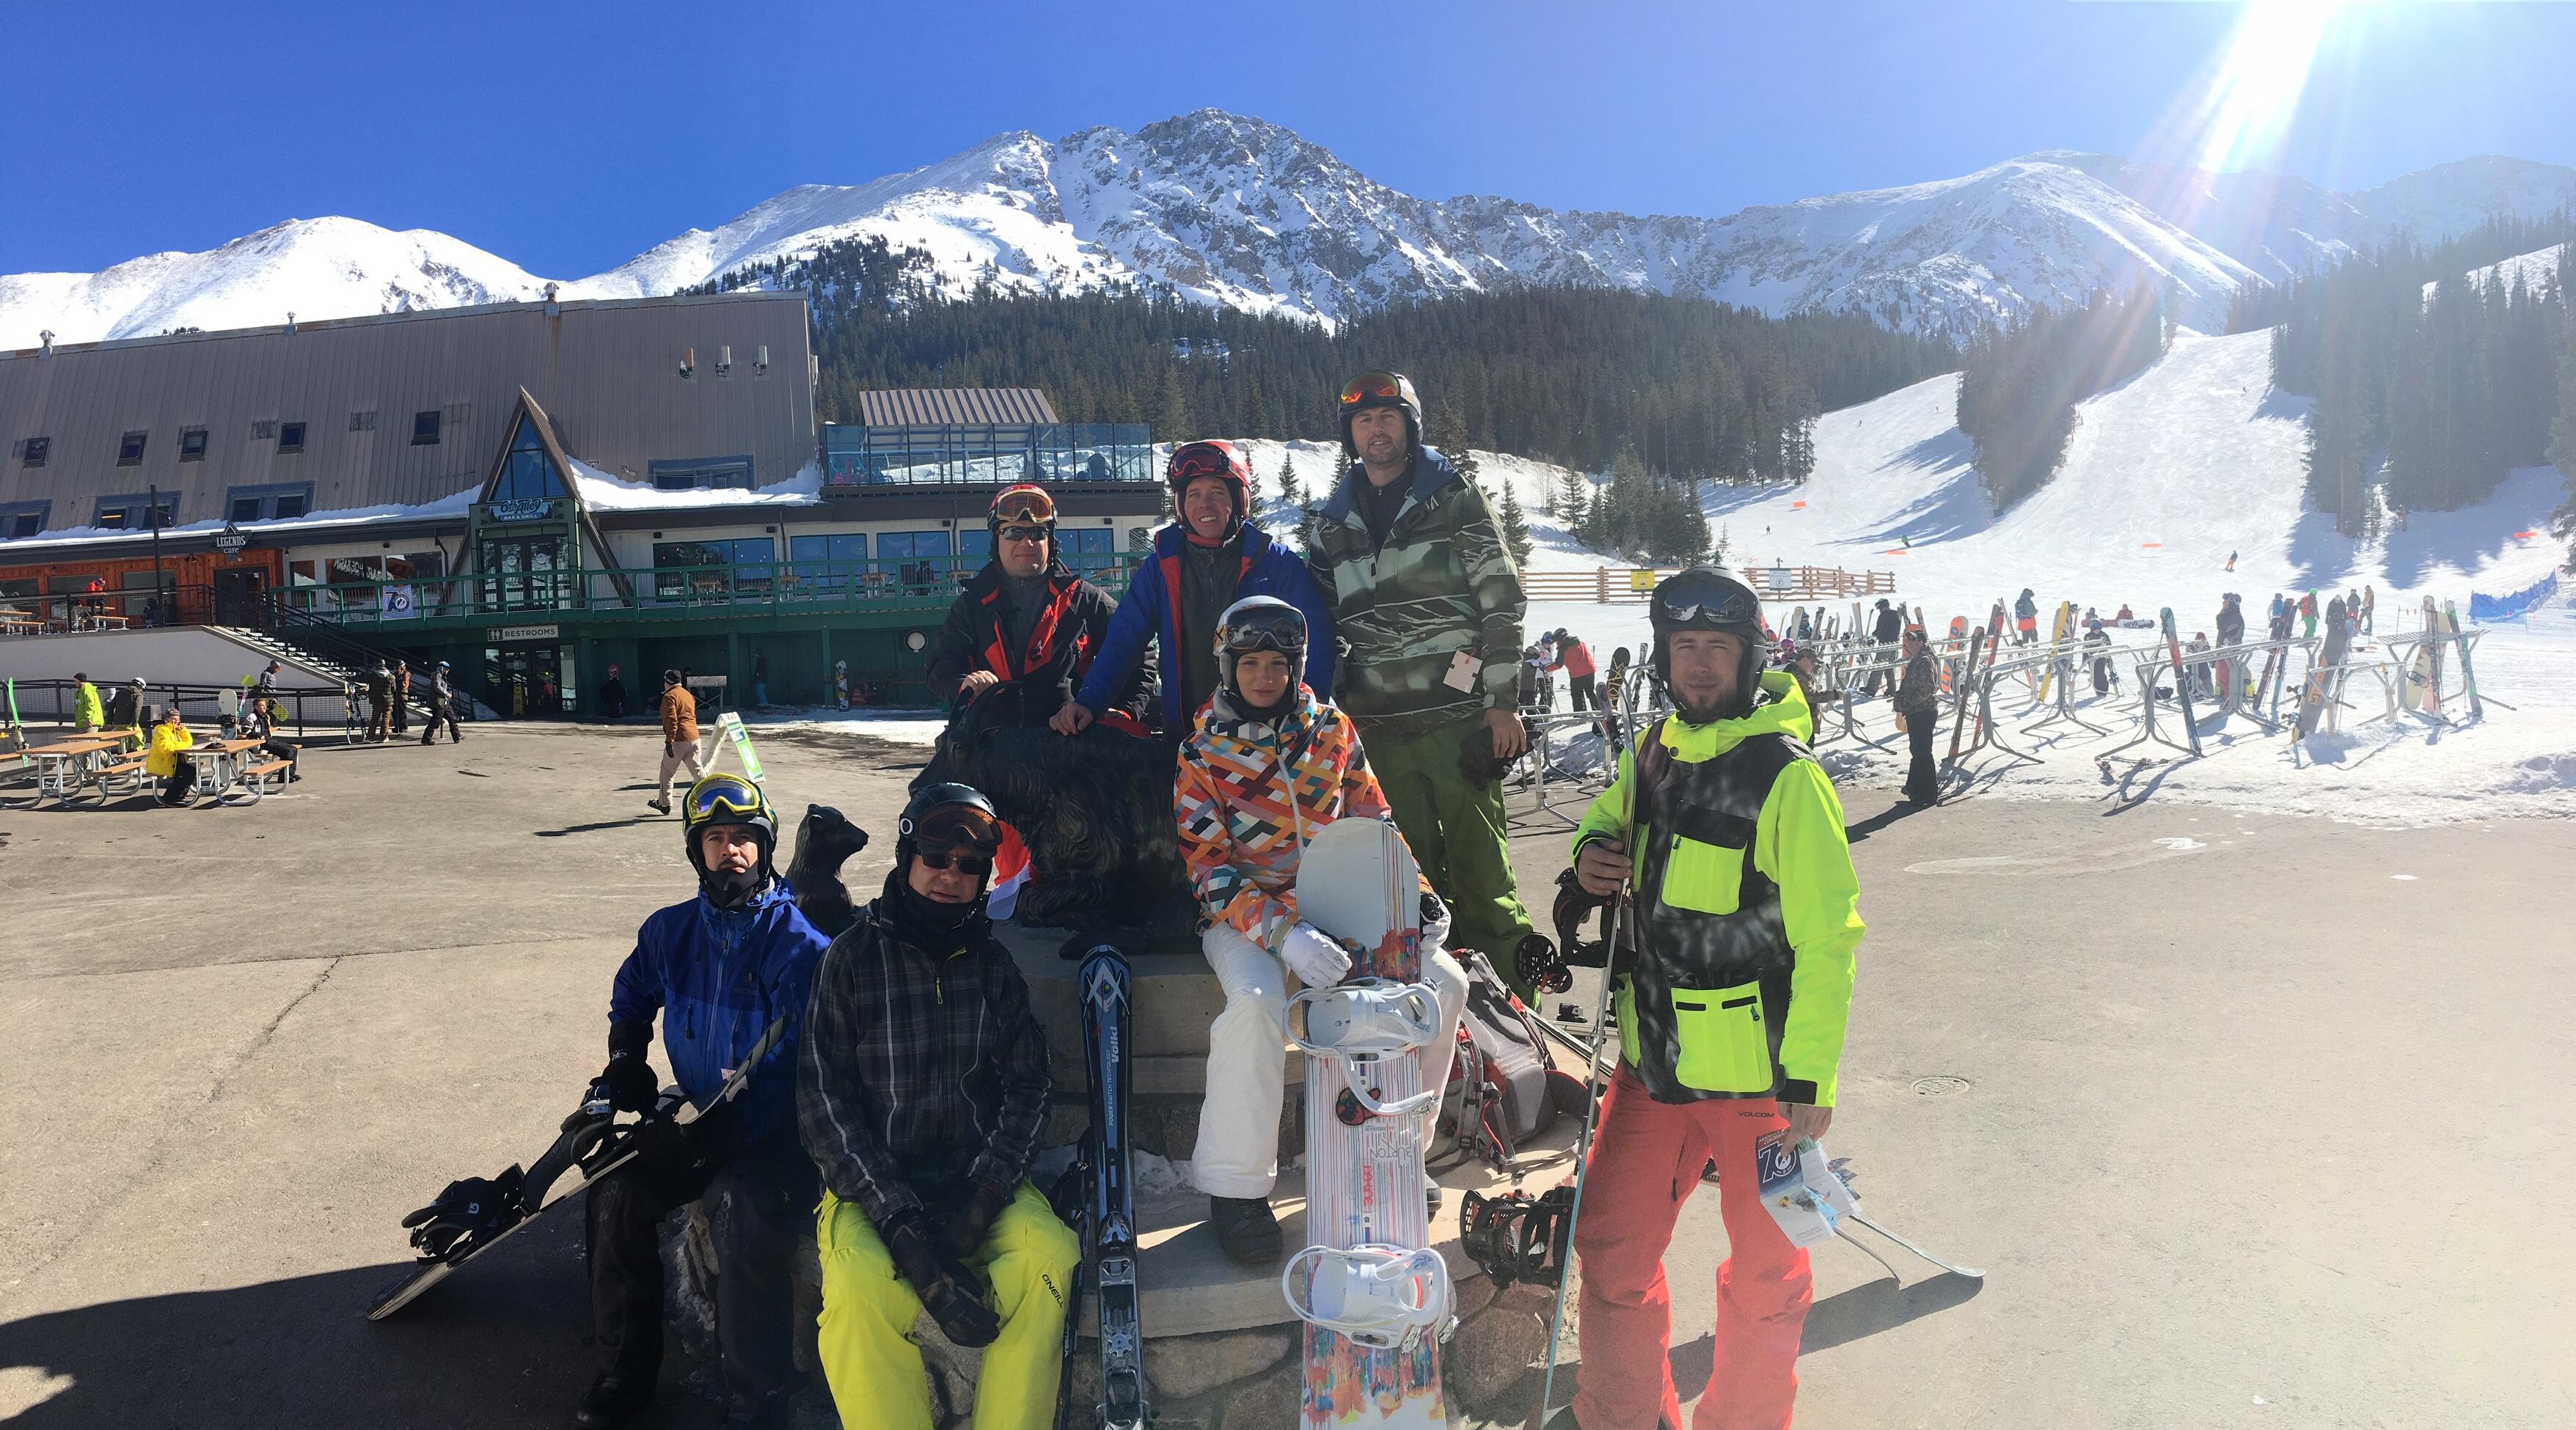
(2182, 682)
(1372, 1292)
(473, 1216)
(1110, 1211)
(2468, 676)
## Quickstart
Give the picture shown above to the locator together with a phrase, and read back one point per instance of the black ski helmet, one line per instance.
(1381, 389)
(947, 816)
(1193, 460)
(722, 799)
(1704, 598)
(1258, 623)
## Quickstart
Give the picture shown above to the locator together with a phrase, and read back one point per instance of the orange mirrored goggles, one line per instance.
(1372, 387)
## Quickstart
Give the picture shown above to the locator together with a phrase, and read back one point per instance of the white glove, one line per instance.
(1317, 961)
(1435, 921)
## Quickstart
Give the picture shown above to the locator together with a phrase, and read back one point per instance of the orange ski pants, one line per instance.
(1646, 1161)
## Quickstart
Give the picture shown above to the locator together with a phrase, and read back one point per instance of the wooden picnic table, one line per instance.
(64, 767)
(220, 764)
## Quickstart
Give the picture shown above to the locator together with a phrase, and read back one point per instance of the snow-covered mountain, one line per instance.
(1230, 210)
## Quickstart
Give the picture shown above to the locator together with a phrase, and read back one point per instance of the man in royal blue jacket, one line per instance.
(1211, 558)
(719, 970)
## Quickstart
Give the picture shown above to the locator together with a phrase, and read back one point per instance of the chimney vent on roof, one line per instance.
(290, 320)
(554, 307)
(45, 343)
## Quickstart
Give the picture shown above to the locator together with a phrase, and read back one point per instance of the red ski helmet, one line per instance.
(1222, 460)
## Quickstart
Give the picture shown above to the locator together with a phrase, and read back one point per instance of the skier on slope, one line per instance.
(921, 1091)
(2025, 619)
(1269, 766)
(1731, 840)
(718, 969)
(2308, 615)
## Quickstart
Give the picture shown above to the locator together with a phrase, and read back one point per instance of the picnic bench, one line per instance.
(65, 768)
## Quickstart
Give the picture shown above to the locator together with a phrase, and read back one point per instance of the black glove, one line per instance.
(966, 1230)
(661, 1145)
(1538, 965)
(949, 1289)
(477, 1207)
(628, 1079)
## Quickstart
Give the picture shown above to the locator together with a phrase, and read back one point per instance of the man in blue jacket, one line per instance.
(1211, 558)
(718, 970)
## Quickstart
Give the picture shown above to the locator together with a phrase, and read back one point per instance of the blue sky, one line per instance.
(569, 137)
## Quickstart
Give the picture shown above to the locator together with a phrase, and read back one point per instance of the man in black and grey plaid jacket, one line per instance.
(920, 1091)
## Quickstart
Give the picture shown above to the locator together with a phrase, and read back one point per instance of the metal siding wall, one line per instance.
(604, 373)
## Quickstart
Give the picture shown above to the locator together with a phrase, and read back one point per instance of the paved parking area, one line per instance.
(2253, 1121)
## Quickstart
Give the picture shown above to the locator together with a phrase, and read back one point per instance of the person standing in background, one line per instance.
(2369, 604)
(87, 714)
(442, 706)
(1575, 659)
(1918, 704)
(612, 696)
(759, 679)
(679, 736)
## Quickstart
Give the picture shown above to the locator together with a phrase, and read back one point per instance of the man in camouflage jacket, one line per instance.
(1427, 608)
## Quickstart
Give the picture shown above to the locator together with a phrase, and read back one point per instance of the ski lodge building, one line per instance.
(532, 492)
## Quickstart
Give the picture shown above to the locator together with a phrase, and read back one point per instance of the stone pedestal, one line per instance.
(1223, 1350)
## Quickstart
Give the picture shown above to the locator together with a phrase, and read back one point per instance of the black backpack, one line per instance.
(1499, 1095)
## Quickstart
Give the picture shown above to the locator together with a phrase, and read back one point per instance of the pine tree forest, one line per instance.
(2428, 388)
(2018, 392)
(1572, 375)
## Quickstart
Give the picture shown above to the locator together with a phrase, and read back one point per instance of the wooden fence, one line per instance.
(1614, 585)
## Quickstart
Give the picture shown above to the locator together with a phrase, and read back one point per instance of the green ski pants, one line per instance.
(1458, 834)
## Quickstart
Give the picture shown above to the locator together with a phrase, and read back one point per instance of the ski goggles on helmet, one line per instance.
(1204, 459)
(957, 827)
(725, 799)
(1374, 389)
(1705, 599)
(1024, 503)
(1261, 623)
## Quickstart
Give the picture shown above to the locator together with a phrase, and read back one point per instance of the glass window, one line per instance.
(23, 518)
(701, 474)
(192, 444)
(129, 449)
(424, 428)
(263, 503)
(135, 511)
(528, 472)
(977, 543)
(830, 562)
(742, 566)
(290, 436)
(35, 450)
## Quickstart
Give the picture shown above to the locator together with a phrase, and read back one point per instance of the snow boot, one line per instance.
(1246, 1229)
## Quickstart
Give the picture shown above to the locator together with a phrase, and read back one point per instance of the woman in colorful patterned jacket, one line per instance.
(1266, 768)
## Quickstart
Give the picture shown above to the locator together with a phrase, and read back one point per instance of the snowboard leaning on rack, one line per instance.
(1366, 1223)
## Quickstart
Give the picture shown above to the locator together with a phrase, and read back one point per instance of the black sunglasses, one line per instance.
(976, 865)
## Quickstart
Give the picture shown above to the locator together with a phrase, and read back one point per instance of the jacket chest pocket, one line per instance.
(1704, 869)
(1725, 1039)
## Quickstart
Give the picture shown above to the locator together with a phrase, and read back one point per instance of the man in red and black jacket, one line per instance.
(1028, 620)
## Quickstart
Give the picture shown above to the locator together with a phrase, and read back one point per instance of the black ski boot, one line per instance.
(612, 1402)
(1246, 1229)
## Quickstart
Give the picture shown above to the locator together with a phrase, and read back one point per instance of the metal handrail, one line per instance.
(874, 584)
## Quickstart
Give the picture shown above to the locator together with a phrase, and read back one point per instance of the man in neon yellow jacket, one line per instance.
(1732, 1005)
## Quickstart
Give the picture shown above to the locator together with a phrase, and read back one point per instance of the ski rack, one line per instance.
(1546, 728)
(2152, 662)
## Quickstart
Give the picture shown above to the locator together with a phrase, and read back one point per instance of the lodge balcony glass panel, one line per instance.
(989, 455)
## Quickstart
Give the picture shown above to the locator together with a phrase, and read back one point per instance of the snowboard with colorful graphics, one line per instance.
(1373, 1294)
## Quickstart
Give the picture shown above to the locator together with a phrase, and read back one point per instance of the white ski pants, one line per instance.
(1247, 1065)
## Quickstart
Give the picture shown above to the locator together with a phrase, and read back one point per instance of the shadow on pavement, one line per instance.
(1855, 833)
(504, 1344)
(592, 828)
(1875, 1306)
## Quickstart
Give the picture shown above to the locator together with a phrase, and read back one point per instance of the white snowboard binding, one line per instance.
(1355, 1025)
(1379, 1296)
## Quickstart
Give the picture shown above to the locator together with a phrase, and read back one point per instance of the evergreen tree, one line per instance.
(1571, 498)
(1515, 528)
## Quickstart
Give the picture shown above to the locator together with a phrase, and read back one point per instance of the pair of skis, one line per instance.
(1103, 1212)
